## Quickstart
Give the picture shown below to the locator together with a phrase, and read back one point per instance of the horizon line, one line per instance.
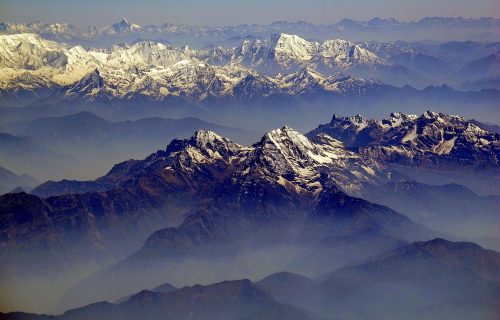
(259, 24)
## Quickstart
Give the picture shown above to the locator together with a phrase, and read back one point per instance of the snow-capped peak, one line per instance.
(291, 51)
(286, 135)
(29, 51)
(288, 47)
(286, 150)
(430, 115)
(204, 138)
(122, 26)
(297, 162)
(157, 71)
(430, 137)
(212, 145)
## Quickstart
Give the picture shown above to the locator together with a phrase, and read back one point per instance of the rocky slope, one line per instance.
(283, 172)
(428, 139)
(218, 198)
(282, 191)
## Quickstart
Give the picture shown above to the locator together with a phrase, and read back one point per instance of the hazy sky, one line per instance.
(228, 12)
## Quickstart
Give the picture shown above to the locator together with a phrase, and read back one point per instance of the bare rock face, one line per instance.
(429, 139)
(223, 190)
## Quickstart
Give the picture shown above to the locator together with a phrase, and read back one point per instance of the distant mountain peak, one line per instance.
(285, 134)
(284, 277)
(120, 27)
(203, 147)
(207, 139)
(283, 38)
(438, 243)
(430, 114)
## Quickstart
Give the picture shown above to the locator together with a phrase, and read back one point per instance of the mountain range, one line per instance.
(285, 190)
(156, 71)
(421, 278)
(98, 143)
(126, 29)
(152, 171)
(431, 137)
(39, 72)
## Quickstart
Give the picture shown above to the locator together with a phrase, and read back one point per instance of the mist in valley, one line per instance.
(185, 172)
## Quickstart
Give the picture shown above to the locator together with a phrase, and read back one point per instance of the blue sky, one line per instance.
(229, 12)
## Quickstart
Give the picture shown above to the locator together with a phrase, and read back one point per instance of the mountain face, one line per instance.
(292, 289)
(285, 179)
(422, 256)
(283, 51)
(450, 208)
(121, 27)
(145, 194)
(440, 62)
(326, 151)
(460, 53)
(484, 68)
(164, 288)
(414, 196)
(430, 68)
(224, 199)
(433, 273)
(208, 197)
(431, 138)
(282, 191)
(485, 83)
(422, 278)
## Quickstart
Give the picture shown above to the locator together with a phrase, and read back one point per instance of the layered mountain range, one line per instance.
(421, 278)
(124, 28)
(39, 71)
(219, 199)
(83, 145)
(347, 221)
(284, 164)
(154, 70)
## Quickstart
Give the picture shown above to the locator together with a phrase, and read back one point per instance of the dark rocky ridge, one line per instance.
(429, 139)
